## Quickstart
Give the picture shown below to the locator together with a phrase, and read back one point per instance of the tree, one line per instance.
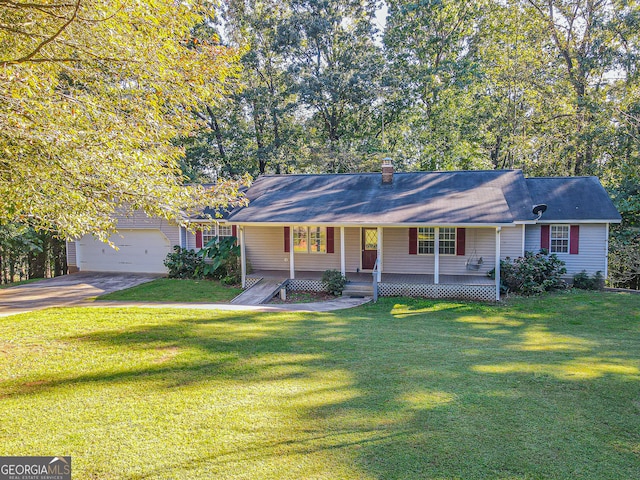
(337, 68)
(91, 94)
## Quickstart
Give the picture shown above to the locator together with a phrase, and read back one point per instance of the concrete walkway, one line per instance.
(328, 306)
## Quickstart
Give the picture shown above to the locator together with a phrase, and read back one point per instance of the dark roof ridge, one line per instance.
(279, 175)
(563, 177)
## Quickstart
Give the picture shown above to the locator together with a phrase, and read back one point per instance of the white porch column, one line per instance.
(498, 229)
(243, 258)
(292, 268)
(436, 255)
(606, 254)
(343, 263)
(379, 279)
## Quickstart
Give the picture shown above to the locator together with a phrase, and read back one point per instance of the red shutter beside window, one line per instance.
(461, 234)
(287, 246)
(413, 241)
(330, 240)
(574, 239)
(198, 238)
(544, 236)
(234, 230)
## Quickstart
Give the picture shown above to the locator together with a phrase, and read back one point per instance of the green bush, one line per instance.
(334, 282)
(221, 260)
(532, 274)
(583, 281)
(183, 263)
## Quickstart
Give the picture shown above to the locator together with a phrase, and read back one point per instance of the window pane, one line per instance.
(208, 235)
(318, 239)
(426, 240)
(370, 239)
(559, 239)
(225, 231)
(300, 241)
(448, 241)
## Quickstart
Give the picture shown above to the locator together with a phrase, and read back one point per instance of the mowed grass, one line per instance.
(404, 389)
(176, 290)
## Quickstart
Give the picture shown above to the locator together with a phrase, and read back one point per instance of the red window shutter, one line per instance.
(287, 232)
(198, 238)
(330, 240)
(413, 241)
(574, 239)
(461, 234)
(544, 236)
(234, 230)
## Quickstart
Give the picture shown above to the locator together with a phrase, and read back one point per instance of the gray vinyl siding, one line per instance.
(591, 252)
(265, 251)
(511, 242)
(352, 241)
(139, 220)
(395, 254)
(71, 254)
(479, 243)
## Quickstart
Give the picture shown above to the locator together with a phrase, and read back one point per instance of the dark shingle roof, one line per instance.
(572, 198)
(445, 198)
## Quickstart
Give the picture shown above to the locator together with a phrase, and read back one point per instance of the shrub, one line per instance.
(334, 282)
(532, 274)
(583, 281)
(221, 259)
(183, 263)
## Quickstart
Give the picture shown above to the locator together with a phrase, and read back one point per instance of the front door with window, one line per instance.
(369, 248)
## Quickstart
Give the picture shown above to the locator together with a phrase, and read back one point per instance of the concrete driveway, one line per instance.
(66, 290)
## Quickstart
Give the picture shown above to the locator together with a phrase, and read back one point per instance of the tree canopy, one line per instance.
(92, 94)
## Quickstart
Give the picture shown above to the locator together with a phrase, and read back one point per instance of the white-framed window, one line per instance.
(426, 240)
(310, 239)
(208, 235)
(447, 241)
(225, 231)
(559, 239)
(215, 232)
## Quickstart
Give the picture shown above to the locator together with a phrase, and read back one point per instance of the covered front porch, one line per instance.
(399, 260)
(471, 287)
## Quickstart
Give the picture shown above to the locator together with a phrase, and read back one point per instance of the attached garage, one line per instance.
(139, 250)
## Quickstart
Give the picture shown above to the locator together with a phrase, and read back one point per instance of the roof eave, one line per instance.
(370, 224)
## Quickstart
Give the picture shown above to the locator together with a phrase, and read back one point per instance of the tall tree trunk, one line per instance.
(213, 124)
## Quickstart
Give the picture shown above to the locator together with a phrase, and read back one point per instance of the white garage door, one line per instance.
(140, 251)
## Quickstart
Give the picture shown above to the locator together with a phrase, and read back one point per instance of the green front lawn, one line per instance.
(176, 290)
(404, 389)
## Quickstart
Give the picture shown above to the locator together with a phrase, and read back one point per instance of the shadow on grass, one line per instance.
(417, 389)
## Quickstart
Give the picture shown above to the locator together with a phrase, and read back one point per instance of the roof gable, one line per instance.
(572, 199)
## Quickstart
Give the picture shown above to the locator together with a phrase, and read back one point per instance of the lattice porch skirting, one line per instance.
(251, 281)
(484, 293)
(306, 285)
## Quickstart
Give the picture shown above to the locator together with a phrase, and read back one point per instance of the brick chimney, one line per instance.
(387, 170)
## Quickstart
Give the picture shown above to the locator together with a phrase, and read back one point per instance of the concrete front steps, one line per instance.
(358, 289)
